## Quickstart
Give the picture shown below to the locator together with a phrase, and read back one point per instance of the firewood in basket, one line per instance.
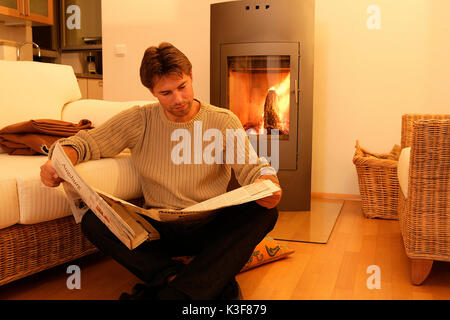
(271, 119)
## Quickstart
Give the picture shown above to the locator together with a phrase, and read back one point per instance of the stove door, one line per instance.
(259, 82)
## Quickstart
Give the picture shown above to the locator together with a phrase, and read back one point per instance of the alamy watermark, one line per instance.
(73, 20)
(374, 20)
(374, 281)
(74, 280)
(235, 143)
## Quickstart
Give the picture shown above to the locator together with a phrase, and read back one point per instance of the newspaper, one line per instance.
(82, 197)
(237, 196)
(126, 220)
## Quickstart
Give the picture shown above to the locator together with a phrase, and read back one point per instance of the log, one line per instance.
(271, 118)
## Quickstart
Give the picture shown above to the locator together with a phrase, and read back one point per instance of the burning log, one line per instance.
(271, 118)
(252, 125)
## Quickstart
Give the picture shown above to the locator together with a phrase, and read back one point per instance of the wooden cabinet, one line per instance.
(11, 8)
(95, 89)
(37, 11)
(91, 88)
(82, 83)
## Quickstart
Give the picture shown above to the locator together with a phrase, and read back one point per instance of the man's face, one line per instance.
(176, 96)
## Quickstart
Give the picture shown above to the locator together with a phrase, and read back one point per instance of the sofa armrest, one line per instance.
(97, 111)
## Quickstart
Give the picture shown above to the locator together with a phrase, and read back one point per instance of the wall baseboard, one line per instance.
(336, 196)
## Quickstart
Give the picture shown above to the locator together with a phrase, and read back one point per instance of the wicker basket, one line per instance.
(378, 182)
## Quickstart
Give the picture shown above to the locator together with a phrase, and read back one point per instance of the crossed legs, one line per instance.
(221, 246)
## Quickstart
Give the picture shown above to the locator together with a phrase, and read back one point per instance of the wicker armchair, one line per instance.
(424, 213)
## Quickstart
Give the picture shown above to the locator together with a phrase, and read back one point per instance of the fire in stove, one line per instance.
(259, 96)
(275, 111)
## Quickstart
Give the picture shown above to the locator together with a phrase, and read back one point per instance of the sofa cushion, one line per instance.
(35, 90)
(9, 214)
(37, 203)
(403, 170)
(266, 251)
(117, 176)
(97, 111)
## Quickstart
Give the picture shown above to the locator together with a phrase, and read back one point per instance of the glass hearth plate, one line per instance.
(308, 226)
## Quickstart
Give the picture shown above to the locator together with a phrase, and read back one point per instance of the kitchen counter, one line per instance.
(88, 75)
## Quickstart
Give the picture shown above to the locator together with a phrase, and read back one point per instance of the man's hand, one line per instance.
(270, 201)
(49, 177)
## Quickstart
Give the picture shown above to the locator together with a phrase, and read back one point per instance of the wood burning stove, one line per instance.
(262, 70)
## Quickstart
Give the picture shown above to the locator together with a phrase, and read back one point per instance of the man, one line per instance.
(220, 245)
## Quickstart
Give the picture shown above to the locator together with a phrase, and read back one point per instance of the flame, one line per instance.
(261, 127)
(283, 93)
(247, 95)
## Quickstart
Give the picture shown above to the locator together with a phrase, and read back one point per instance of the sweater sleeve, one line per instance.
(121, 131)
(241, 155)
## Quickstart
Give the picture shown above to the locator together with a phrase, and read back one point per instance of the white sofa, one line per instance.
(37, 230)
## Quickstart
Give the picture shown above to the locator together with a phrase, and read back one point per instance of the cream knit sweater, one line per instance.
(168, 181)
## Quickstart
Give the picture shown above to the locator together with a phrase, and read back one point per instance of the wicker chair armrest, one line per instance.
(408, 122)
(430, 153)
(428, 202)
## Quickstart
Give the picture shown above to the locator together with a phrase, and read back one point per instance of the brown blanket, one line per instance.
(36, 136)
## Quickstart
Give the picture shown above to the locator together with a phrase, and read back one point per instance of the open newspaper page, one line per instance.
(163, 215)
(206, 208)
(237, 196)
(76, 203)
(131, 216)
(127, 230)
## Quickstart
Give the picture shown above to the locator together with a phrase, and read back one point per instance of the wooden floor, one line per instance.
(336, 270)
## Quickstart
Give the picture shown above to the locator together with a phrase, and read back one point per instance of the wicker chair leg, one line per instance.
(420, 269)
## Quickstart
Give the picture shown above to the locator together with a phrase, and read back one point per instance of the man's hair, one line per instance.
(163, 60)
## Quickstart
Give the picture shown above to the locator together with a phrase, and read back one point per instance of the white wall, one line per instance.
(364, 79)
(139, 24)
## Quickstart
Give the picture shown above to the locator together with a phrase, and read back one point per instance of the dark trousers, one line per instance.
(221, 246)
